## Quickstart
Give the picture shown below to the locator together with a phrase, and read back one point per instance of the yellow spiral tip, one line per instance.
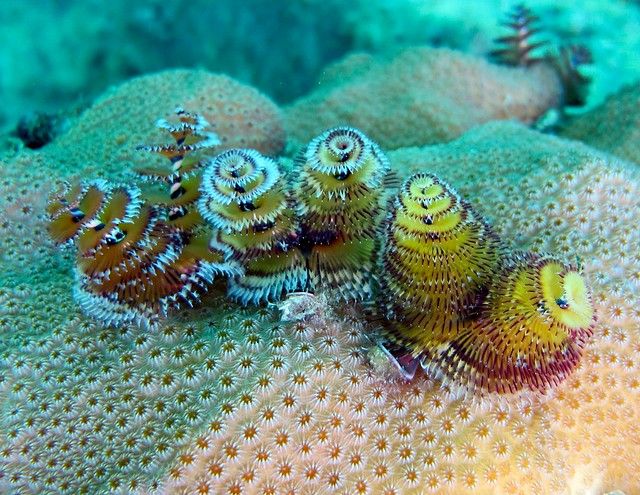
(439, 259)
(534, 324)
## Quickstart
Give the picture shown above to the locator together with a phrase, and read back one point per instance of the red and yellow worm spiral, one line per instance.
(534, 325)
(132, 267)
(438, 260)
(340, 199)
(74, 208)
(243, 195)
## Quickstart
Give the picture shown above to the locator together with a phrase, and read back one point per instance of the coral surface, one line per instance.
(230, 400)
(614, 126)
(103, 141)
(422, 96)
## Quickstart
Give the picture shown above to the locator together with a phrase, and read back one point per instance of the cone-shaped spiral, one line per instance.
(132, 267)
(189, 135)
(340, 198)
(516, 48)
(438, 260)
(178, 180)
(535, 322)
(242, 194)
(74, 208)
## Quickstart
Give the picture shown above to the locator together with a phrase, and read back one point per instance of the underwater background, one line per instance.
(256, 391)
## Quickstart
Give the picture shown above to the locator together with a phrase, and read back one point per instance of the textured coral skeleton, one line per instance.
(444, 287)
(229, 399)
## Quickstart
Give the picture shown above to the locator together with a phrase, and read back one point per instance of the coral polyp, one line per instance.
(340, 197)
(535, 323)
(438, 260)
(243, 195)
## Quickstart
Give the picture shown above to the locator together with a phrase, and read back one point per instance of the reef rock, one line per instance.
(229, 400)
(422, 96)
(613, 126)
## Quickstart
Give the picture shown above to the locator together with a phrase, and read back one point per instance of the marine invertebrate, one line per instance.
(137, 260)
(439, 259)
(132, 266)
(244, 196)
(340, 200)
(150, 390)
(517, 47)
(71, 209)
(516, 50)
(181, 176)
(535, 323)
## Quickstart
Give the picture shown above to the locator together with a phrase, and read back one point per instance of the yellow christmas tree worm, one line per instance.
(244, 196)
(340, 197)
(438, 260)
(534, 325)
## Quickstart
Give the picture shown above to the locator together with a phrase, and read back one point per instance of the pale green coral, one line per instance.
(422, 96)
(613, 126)
(253, 405)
